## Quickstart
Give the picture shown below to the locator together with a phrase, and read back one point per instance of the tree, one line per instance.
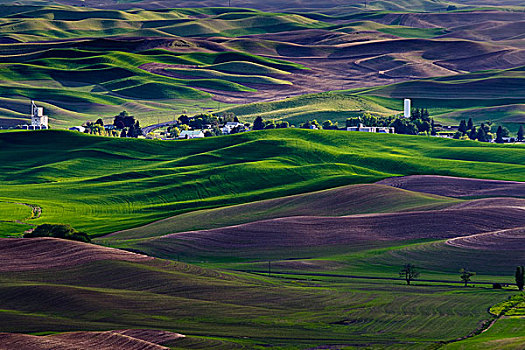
(481, 134)
(425, 115)
(465, 275)
(353, 122)
(58, 231)
(184, 119)
(519, 275)
(472, 134)
(269, 124)
(499, 135)
(432, 128)
(123, 120)
(521, 133)
(409, 272)
(131, 131)
(470, 124)
(462, 127)
(174, 132)
(258, 123)
(99, 122)
(327, 125)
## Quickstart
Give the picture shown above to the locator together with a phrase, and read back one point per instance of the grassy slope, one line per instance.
(102, 185)
(347, 200)
(12, 214)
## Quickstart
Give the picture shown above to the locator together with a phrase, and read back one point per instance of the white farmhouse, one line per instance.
(38, 119)
(229, 126)
(191, 134)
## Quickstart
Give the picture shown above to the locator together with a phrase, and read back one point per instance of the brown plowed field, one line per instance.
(110, 340)
(19, 254)
(457, 187)
(503, 241)
(491, 203)
(307, 231)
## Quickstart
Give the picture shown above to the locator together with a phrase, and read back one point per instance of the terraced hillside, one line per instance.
(82, 63)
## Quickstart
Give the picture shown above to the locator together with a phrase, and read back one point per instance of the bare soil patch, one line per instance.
(308, 231)
(457, 187)
(503, 240)
(19, 254)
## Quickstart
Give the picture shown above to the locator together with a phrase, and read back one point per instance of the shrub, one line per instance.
(58, 231)
(496, 285)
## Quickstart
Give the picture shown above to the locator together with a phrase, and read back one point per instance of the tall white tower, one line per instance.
(38, 119)
(407, 108)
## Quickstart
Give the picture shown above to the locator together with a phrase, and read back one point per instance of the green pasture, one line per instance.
(101, 185)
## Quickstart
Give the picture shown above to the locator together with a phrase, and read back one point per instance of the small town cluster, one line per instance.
(412, 122)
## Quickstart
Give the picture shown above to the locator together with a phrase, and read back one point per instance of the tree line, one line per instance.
(409, 272)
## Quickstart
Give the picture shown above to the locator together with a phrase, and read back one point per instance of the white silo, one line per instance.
(407, 108)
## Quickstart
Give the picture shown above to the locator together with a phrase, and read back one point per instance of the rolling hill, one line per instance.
(83, 63)
(126, 183)
(224, 309)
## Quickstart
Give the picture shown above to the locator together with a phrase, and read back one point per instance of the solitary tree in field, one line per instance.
(409, 272)
(519, 277)
(465, 275)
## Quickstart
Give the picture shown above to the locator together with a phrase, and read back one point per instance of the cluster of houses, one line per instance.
(379, 129)
(226, 129)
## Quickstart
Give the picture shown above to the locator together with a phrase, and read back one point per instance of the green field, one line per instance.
(88, 79)
(101, 185)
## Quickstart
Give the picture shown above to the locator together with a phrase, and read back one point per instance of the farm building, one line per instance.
(229, 126)
(191, 134)
(78, 128)
(38, 119)
(379, 129)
